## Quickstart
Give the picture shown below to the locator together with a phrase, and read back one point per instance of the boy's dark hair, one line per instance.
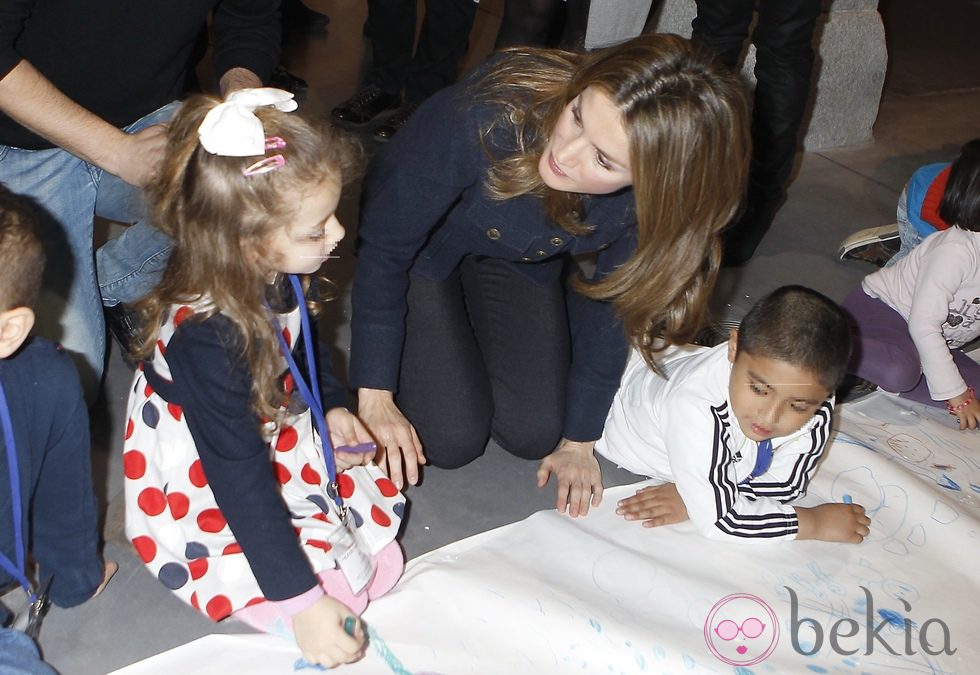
(21, 254)
(799, 326)
(961, 200)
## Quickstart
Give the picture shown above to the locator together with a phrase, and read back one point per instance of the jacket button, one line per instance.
(525, 259)
(493, 233)
(556, 241)
(540, 254)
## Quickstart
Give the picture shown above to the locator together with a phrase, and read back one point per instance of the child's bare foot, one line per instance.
(111, 567)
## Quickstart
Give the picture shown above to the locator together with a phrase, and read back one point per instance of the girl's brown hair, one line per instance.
(221, 220)
(686, 118)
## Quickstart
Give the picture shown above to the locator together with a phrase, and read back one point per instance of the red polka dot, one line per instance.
(182, 315)
(346, 485)
(282, 473)
(162, 347)
(130, 426)
(211, 520)
(198, 567)
(380, 517)
(288, 383)
(310, 475)
(231, 549)
(152, 501)
(254, 601)
(386, 487)
(196, 474)
(146, 548)
(321, 517)
(147, 391)
(134, 464)
(194, 602)
(287, 439)
(179, 504)
(316, 543)
(286, 334)
(175, 411)
(218, 607)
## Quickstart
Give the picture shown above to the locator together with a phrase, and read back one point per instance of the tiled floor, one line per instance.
(835, 192)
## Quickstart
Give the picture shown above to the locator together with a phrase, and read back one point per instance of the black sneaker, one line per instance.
(291, 82)
(876, 245)
(853, 388)
(395, 122)
(365, 105)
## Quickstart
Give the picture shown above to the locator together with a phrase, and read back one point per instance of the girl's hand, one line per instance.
(655, 505)
(346, 430)
(577, 474)
(969, 416)
(320, 634)
(398, 444)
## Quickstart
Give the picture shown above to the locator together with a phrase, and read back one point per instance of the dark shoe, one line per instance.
(283, 79)
(854, 388)
(395, 122)
(365, 105)
(297, 15)
(876, 245)
(126, 327)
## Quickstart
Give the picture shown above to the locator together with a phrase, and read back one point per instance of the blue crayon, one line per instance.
(350, 623)
(848, 500)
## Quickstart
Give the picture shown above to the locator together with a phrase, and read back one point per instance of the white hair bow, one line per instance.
(231, 128)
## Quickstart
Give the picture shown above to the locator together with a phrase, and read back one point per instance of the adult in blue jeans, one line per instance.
(783, 39)
(84, 88)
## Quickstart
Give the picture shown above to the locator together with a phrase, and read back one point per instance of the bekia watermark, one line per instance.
(743, 629)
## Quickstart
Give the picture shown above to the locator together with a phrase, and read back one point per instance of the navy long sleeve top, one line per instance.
(425, 206)
(122, 59)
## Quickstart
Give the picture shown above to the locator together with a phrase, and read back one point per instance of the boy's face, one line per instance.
(771, 398)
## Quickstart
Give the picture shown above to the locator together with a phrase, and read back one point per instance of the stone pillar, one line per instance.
(849, 69)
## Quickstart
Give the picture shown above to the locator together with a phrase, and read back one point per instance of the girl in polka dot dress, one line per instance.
(232, 501)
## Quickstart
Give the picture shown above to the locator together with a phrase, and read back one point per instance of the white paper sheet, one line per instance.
(601, 595)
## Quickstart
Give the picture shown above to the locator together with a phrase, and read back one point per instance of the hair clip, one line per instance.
(274, 143)
(265, 165)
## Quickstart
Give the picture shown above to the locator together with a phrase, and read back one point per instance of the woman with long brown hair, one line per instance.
(470, 319)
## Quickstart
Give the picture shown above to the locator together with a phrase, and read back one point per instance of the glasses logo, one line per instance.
(741, 629)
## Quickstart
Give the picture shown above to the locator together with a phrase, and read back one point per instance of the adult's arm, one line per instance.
(247, 40)
(215, 389)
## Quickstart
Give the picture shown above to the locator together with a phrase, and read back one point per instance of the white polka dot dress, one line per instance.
(179, 531)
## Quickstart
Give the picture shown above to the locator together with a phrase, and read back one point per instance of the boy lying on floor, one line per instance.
(736, 431)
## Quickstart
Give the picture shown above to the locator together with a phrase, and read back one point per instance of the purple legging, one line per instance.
(885, 354)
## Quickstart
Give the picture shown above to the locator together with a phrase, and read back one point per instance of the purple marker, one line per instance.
(360, 448)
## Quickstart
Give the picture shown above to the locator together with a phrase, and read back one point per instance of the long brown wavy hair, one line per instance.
(221, 222)
(686, 118)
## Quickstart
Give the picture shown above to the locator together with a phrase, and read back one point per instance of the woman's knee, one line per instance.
(529, 439)
(452, 444)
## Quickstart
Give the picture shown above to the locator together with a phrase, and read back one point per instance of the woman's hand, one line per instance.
(398, 445)
(577, 474)
(968, 415)
(347, 431)
(320, 634)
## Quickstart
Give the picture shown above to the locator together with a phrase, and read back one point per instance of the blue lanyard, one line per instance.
(16, 571)
(310, 391)
(763, 459)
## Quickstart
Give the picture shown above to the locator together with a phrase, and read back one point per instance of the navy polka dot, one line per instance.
(165, 316)
(151, 416)
(173, 575)
(399, 509)
(194, 550)
(319, 501)
(358, 520)
(331, 492)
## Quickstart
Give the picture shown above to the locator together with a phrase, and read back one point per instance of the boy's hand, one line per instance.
(969, 416)
(346, 431)
(655, 505)
(846, 523)
(320, 634)
(577, 475)
(398, 444)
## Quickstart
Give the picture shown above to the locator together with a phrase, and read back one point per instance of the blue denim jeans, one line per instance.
(71, 192)
(19, 655)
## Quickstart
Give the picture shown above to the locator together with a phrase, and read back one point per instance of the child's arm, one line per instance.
(845, 523)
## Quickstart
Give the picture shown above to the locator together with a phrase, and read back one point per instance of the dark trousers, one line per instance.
(432, 65)
(486, 355)
(783, 38)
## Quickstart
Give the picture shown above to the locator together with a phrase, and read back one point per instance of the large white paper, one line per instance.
(601, 595)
